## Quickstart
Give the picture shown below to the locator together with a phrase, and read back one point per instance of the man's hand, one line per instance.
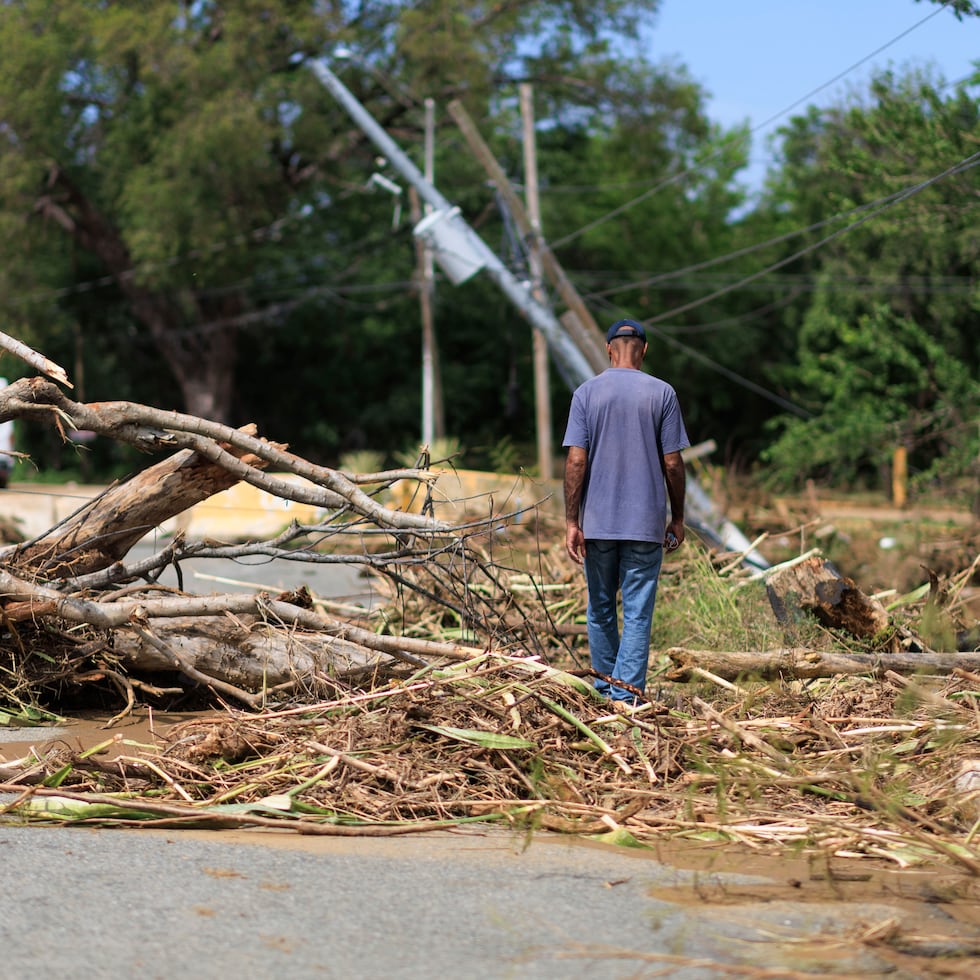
(575, 543)
(674, 536)
(676, 484)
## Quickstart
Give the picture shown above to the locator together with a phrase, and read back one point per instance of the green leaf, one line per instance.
(619, 837)
(57, 778)
(28, 718)
(63, 808)
(486, 740)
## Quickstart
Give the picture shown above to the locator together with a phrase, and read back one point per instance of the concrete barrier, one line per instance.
(244, 512)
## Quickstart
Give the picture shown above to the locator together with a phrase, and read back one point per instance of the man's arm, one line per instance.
(676, 485)
(575, 466)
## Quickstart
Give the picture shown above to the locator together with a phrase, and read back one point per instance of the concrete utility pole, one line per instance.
(569, 358)
(433, 426)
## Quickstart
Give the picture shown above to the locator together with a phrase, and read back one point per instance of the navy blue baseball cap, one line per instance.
(626, 328)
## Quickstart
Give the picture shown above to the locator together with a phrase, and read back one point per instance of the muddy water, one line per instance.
(144, 728)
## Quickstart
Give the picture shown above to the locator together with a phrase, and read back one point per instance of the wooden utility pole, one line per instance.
(542, 393)
(580, 326)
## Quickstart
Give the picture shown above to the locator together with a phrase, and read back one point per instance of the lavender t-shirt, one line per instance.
(625, 420)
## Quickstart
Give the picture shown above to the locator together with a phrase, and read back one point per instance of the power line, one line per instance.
(965, 164)
(748, 249)
(273, 229)
(733, 376)
(695, 169)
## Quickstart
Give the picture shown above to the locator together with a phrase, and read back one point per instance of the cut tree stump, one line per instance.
(816, 586)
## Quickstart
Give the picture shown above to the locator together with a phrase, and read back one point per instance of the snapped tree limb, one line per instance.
(75, 577)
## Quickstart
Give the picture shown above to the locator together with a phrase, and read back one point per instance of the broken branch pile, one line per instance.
(844, 767)
(446, 703)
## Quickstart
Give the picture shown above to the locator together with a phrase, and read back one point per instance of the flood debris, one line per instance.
(844, 767)
(464, 695)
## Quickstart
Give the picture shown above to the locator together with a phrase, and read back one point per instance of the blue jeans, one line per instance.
(632, 568)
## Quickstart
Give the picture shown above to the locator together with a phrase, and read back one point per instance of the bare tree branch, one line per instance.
(37, 361)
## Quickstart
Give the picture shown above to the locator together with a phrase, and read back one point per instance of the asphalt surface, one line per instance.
(339, 582)
(153, 904)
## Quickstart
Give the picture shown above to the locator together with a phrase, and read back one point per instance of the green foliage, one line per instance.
(504, 456)
(447, 450)
(885, 351)
(362, 461)
(937, 628)
(705, 610)
(961, 8)
(876, 384)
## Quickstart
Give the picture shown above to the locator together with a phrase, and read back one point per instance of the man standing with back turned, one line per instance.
(624, 438)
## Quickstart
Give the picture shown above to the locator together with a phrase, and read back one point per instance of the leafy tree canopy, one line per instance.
(889, 341)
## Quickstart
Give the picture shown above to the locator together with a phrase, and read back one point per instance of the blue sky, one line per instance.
(756, 58)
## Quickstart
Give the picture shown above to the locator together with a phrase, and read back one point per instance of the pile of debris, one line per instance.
(465, 696)
(839, 765)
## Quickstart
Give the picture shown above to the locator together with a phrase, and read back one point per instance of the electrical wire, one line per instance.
(275, 228)
(671, 340)
(966, 164)
(748, 249)
(675, 178)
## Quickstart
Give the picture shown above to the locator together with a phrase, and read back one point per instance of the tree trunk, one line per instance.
(103, 531)
(243, 651)
(97, 615)
(815, 586)
(202, 360)
(770, 664)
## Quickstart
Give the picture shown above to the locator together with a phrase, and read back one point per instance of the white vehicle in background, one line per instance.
(6, 447)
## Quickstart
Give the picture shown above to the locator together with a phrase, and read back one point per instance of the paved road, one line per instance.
(110, 903)
(340, 582)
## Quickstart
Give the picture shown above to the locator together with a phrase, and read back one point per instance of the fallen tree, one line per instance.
(106, 617)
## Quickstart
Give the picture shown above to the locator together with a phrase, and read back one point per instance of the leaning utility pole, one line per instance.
(458, 248)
